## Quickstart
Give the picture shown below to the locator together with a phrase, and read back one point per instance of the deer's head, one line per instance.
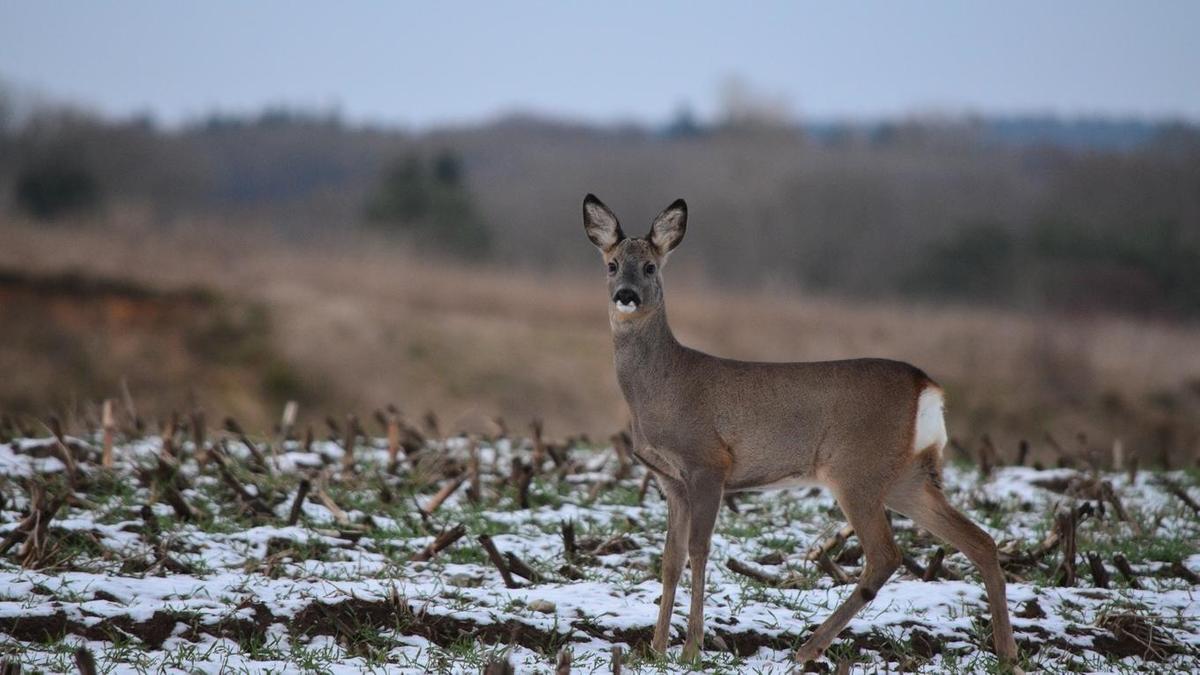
(634, 264)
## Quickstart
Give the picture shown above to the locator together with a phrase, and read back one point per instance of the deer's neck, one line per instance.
(646, 354)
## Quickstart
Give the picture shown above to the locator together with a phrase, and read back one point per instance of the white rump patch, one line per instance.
(930, 425)
(626, 307)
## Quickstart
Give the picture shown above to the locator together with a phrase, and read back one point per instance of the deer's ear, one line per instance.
(668, 228)
(600, 224)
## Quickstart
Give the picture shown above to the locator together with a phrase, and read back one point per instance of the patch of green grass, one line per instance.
(478, 520)
(1148, 546)
(464, 654)
(261, 647)
(59, 656)
(465, 553)
(313, 659)
(743, 528)
(621, 495)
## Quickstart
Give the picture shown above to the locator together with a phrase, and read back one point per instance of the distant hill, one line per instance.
(1098, 134)
(1077, 134)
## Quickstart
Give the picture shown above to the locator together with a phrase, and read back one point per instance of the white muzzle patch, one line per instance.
(626, 307)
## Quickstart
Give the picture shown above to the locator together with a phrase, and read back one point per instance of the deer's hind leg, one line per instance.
(869, 520)
(920, 498)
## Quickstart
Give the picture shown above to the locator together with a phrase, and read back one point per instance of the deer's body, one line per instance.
(773, 425)
(870, 430)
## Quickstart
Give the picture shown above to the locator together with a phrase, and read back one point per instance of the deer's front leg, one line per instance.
(704, 499)
(672, 559)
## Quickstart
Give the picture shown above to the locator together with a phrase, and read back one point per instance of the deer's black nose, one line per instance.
(627, 296)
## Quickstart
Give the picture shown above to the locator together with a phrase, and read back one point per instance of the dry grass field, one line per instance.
(353, 324)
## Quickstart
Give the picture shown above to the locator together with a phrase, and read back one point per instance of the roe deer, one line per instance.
(869, 430)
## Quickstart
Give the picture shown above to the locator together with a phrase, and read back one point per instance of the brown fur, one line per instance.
(707, 425)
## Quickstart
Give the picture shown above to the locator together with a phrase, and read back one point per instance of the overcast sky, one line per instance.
(430, 63)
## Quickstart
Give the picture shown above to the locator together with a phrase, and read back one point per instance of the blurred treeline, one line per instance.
(1034, 214)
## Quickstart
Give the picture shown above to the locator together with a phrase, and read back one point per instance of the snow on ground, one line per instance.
(237, 591)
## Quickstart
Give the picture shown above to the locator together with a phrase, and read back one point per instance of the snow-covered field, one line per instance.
(235, 589)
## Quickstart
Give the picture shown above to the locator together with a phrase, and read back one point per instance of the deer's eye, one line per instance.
(612, 267)
(650, 268)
